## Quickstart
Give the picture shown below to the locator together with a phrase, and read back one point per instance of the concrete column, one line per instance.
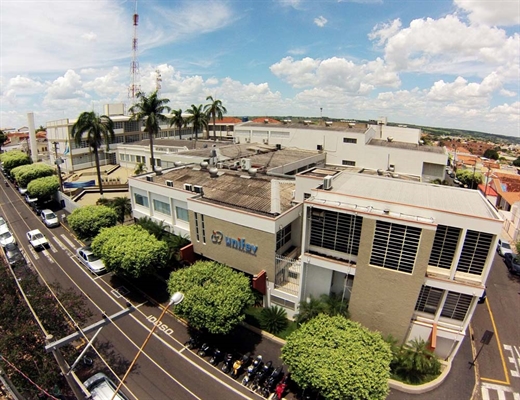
(32, 137)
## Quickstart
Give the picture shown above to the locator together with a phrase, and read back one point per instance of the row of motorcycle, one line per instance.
(259, 376)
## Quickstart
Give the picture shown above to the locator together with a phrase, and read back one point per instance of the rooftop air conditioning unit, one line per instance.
(149, 178)
(169, 183)
(197, 189)
(245, 163)
(319, 147)
(220, 165)
(307, 122)
(266, 141)
(391, 168)
(266, 121)
(236, 139)
(327, 182)
(328, 123)
(278, 147)
(248, 140)
(188, 187)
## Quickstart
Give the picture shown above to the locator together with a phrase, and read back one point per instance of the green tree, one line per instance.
(14, 158)
(469, 178)
(175, 243)
(140, 168)
(158, 229)
(198, 119)
(178, 120)
(438, 181)
(415, 362)
(129, 250)
(121, 205)
(97, 129)
(43, 188)
(309, 309)
(516, 163)
(151, 110)
(216, 296)
(3, 139)
(26, 173)
(492, 153)
(335, 305)
(88, 221)
(22, 341)
(214, 109)
(340, 358)
(273, 319)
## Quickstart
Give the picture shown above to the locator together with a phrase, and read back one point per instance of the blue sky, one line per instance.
(452, 64)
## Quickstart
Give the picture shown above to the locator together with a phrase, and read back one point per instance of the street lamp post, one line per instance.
(175, 299)
(58, 161)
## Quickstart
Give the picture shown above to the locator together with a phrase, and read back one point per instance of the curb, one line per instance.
(424, 388)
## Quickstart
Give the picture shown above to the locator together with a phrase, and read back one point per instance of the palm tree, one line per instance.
(122, 206)
(197, 118)
(140, 168)
(177, 120)
(335, 305)
(97, 129)
(309, 309)
(213, 110)
(150, 109)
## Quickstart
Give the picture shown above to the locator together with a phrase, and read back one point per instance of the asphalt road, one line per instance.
(499, 362)
(165, 369)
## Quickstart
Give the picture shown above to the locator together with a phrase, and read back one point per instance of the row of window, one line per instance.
(283, 236)
(162, 207)
(395, 246)
(200, 228)
(454, 306)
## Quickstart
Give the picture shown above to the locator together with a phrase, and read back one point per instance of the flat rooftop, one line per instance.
(406, 146)
(235, 189)
(359, 127)
(425, 195)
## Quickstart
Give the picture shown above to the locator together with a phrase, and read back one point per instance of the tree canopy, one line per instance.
(216, 296)
(340, 358)
(26, 173)
(214, 109)
(43, 188)
(198, 118)
(491, 153)
(95, 130)
(130, 250)
(469, 178)
(88, 221)
(121, 205)
(14, 158)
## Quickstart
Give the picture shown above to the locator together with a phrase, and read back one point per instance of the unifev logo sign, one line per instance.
(217, 237)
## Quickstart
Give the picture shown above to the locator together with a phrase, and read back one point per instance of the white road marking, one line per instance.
(69, 242)
(499, 390)
(48, 256)
(62, 246)
(34, 253)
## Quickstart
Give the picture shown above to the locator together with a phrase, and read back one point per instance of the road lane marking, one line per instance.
(62, 246)
(48, 256)
(69, 242)
(500, 390)
(514, 359)
(142, 304)
(507, 382)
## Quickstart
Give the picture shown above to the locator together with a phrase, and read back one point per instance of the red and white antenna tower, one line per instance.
(134, 87)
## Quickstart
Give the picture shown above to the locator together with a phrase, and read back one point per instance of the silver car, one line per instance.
(6, 237)
(49, 218)
(90, 260)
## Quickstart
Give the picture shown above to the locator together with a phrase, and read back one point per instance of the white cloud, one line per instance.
(90, 37)
(320, 21)
(66, 87)
(449, 46)
(297, 51)
(497, 12)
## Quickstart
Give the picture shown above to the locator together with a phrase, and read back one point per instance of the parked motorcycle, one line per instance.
(252, 370)
(228, 363)
(261, 375)
(272, 381)
(240, 364)
(192, 343)
(281, 388)
(216, 357)
(204, 350)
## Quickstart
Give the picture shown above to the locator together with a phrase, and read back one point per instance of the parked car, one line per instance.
(49, 218)
(22, 190)
(90, 260)
(6, 236)
(37, 239)
(3, 222)
(456, 182)
(29, 199)
(13, 253)
(101, 387)
(512, 262)
(503, 247)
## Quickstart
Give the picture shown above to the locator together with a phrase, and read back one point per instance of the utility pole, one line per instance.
(58, 161)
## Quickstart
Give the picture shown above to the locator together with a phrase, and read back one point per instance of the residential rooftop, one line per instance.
(406, 146)
(342, 126)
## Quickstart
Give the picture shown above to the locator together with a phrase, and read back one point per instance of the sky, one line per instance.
(441, 63)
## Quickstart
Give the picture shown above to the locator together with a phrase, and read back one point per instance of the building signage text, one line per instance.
(239, 243)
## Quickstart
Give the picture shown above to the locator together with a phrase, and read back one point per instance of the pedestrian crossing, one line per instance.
(491, 391)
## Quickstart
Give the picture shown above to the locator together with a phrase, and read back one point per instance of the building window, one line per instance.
(335, 231)
(348, 162)
(283, 236)
(444, 246)
(282, 302)
(140, 159)
(118, 125)
(197, 230)
(306, 196)
(474, 252)
(162, 207)
(132, 126)
(182, 214)
(158, 162)
(395, 246)
(349, 140)
(203, 228)
(429, 299)
(456, 306)
(141, 200)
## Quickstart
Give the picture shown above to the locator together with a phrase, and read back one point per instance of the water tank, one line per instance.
(213, 172)
(204, 165)
(252, 171)
(177, 163)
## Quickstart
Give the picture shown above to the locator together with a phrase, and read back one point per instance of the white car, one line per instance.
(37, 239)
(22, 191)
(503, 247)
(6, 236)
(49, 218)
(3, 223)
(90, 260)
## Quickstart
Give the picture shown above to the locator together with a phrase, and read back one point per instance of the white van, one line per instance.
(102, 388)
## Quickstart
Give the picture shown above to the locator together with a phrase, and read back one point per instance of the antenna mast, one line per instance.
(134, 87)
(158, 80)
